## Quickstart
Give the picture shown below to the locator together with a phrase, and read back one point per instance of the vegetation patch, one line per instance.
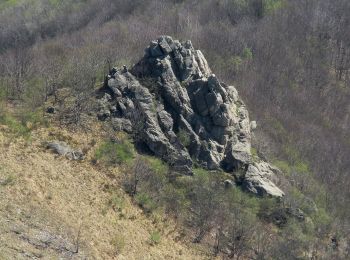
(184, 138)
(145, 202)
(23, 123)
(115, 152)
(155, 238)
(118, 243)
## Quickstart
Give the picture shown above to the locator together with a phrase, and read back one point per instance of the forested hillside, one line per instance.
(289, 61)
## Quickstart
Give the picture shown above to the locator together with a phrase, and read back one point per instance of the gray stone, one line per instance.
(122, 124)
(165, 120)
(257, 180)
(164, 45)
(186, 97)
(213, 102)
(232, 93)
(155, 50)
(63, 149)
(253, 125)
(222, 117)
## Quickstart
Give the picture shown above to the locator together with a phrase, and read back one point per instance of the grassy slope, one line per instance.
(45, 200)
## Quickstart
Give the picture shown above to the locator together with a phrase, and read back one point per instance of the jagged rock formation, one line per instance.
(176, 107)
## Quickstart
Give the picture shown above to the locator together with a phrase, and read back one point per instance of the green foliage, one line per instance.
(120, 152)
(118, 242)
(270, 6)
(277, 72)
(201, 200)
(8, 3)
(175, 199)
(302, 167)
(23, 123)
(235, 62)
(34, 94)
(33, 120)
(145, 202)
(247, 53)
(14, 125)
(116, 203)
(283, 166)
(266, 207)
(322, 221)
(244, 200)
(54, 3)
(184, 138)
(3, 92)
(292, 154)
(155, 238)
(157, 165)
(201, 175)
(253, 151)
(278, 127)
(294, 231)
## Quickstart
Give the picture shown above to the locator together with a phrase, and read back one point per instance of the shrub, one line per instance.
(247, 53)
(14, 125)
(146, 174)
(283, 166)
(34, 95)
(184, 138)
(155, 238)
(253, 151)
(33, 120)
(235, 62)
(116, 203)
(145, 202)
(157, 165)
(110, 152)
(302, 167)
(118, 242)
(271, 6)
(22, 123)
(174, 199)
(322, 221)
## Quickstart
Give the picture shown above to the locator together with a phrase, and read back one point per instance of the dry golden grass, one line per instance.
(50, 205)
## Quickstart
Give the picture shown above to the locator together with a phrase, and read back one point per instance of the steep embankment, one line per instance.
(52, 207)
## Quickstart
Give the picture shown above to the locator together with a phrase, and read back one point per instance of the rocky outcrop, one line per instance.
(179, 109)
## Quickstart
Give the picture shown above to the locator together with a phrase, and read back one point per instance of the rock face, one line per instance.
(172, 103)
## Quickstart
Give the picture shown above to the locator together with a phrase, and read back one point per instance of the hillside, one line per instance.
(50, 205)
(227, 138)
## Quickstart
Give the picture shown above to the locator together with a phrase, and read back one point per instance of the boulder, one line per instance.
(64, 149)
(258, 180)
